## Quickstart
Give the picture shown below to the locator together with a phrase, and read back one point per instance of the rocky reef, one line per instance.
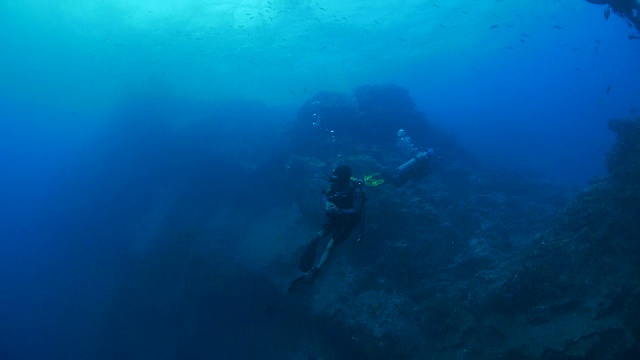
(460, 262)
(465, 262)
(627, 9)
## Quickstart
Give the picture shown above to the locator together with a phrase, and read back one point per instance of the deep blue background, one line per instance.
(84, 196)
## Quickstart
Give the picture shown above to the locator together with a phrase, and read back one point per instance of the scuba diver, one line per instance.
(344, 204)
(344, 209)
(418, 165)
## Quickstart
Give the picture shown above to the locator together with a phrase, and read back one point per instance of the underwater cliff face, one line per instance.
(627, 9)
(168, 245)
(475, 262)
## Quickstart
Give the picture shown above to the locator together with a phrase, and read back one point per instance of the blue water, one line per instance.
(122, 123)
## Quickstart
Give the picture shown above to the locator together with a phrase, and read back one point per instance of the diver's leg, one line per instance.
(309, 256)
(325, 255)
(317, 237)
(340, 234)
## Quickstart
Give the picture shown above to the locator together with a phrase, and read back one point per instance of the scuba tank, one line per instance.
(412, 167)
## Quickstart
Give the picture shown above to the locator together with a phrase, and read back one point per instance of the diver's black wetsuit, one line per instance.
(349, 200)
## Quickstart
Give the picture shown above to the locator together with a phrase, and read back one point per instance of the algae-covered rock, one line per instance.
(438, 269)
(585, 268)
(623, 161)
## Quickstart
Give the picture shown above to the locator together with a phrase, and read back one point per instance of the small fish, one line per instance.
(558, 27)
(608, 89)
(494, 26)
(607, 13)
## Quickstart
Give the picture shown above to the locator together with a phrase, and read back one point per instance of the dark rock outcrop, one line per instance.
(627, 9)
(470, 262)
(585, 268)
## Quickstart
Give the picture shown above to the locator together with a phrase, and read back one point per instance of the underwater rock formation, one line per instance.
(370, 117)
(438, 253)
(469, 262)
(623, 161)
(581, 276)
(627, 9)
(578, 280)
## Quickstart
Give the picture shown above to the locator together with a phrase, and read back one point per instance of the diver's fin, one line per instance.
(303, 281)
(298, 284)
(308, 258)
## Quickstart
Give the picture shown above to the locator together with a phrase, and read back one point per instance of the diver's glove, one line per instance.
(331, 208)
